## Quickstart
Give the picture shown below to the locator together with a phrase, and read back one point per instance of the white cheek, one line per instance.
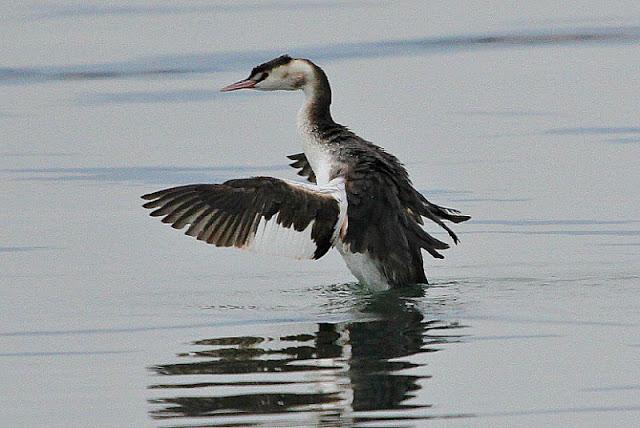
(298, 80)
(266, 85)
(280, 79)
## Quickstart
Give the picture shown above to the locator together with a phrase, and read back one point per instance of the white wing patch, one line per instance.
(272, 238)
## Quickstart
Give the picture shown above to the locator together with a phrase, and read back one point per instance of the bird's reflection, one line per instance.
(334, 372)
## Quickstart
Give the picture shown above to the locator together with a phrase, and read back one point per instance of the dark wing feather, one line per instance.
(385, 214)
(230, 214)
(416, 204)
(437, 213)
(378, 225)
(300, 162)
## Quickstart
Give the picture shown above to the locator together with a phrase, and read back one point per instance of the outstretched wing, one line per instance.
(300, 162)
(262, 213)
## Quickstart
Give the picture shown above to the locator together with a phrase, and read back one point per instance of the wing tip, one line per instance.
(158, 194)
(459, 218)
(149, 205)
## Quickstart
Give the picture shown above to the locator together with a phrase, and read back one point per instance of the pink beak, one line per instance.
(243, 84)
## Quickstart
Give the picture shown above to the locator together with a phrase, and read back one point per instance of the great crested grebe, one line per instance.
(359, 198)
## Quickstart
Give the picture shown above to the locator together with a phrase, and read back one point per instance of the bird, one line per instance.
(357, 197)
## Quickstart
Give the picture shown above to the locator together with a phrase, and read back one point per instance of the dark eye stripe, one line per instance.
(263, 76)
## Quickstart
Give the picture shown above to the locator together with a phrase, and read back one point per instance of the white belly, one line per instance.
(364, 268)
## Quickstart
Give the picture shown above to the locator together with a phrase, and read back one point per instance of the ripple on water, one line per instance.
(172, 65)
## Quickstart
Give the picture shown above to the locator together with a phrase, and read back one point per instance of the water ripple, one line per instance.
(243, 61)
(23, 249)
(142, 174)
(64, 12)
(593, 130)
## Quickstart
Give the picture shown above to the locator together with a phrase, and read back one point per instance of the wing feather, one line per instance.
(261, 213)
(300, 162)
(385, 214)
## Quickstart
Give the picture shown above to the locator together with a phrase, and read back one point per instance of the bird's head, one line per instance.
(282, 73)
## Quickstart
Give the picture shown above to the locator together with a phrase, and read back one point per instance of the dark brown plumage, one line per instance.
(385, 211)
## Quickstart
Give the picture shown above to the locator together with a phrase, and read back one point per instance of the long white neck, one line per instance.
(313, 117)
(305, 117)
(309, 124)
(316, 110)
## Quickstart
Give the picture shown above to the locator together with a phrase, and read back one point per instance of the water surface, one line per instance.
(521, 116)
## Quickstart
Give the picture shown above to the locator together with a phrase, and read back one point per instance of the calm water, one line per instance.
(525, 117)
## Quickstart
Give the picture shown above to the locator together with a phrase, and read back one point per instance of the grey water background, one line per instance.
(521, 114)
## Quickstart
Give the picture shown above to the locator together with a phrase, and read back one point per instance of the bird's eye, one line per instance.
(264, 76)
